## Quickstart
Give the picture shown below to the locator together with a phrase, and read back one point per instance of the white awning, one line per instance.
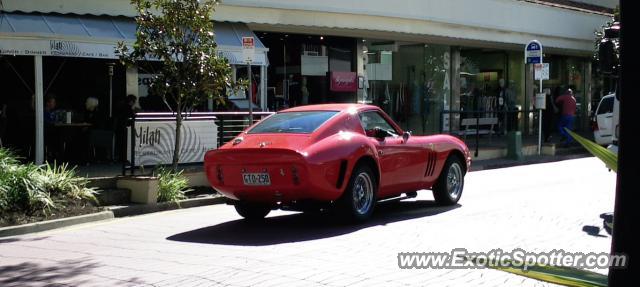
(87, 36)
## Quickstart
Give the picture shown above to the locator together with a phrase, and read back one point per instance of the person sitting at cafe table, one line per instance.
(50, 110)
(51, 136)
(92, 114)
(94, 133)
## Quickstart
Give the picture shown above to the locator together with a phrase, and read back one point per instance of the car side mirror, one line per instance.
(405, 136)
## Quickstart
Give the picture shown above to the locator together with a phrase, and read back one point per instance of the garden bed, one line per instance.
(70, 209)
(32, 193)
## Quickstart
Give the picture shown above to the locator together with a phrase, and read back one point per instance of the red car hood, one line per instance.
(296, 142)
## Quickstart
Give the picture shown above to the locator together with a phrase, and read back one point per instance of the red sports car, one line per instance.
(343, 155)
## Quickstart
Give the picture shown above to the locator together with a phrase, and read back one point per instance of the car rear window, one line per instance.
(293, 122)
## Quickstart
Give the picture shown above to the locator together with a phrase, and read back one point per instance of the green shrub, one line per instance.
(30, 189)
(172, 185)
(62, 180)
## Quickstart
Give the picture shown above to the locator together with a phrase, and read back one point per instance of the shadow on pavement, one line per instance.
(19, 239)
(303, 227)
(592, 230)
(27, 273)
(61, 273)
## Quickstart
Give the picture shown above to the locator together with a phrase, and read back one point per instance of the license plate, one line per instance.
(256, 179)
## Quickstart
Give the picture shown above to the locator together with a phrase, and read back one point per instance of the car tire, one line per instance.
(252, 211)
(359, 198)
(449, 186)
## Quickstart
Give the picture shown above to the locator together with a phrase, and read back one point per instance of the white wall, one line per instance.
(492, 21)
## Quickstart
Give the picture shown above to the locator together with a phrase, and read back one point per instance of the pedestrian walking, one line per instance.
(567, 116)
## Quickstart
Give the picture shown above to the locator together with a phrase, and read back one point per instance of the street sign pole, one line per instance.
(248, 50)
(540, 113)
(533, 55)
(250, 94)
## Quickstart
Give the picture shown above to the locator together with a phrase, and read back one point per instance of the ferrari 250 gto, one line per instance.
(344, 156)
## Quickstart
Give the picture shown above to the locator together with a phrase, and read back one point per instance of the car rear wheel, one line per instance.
(359, 199)
(252, 211)
(448, 188)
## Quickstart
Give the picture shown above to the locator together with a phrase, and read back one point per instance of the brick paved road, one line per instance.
(537, 208)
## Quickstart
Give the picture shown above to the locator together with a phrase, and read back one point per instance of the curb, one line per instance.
(514, 163)
(111, 213)
(54, 224)
(138, 209)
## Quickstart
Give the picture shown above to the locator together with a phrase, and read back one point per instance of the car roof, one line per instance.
(332, 107)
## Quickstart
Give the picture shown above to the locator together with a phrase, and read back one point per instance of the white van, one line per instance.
(603, 125)
(616, 125)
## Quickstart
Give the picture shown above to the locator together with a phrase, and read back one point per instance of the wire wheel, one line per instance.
(362, 193)
(454, 180)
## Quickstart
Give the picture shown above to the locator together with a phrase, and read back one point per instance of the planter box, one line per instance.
(143, 189)
(197, 178)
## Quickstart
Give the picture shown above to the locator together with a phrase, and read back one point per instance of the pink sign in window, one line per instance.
(344, 82)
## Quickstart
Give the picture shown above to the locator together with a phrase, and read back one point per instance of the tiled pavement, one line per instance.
(537, 208)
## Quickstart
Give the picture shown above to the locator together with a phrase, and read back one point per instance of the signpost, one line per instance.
(248, 51)
(533, 55)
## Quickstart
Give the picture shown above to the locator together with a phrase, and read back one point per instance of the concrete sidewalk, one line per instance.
(504, 162)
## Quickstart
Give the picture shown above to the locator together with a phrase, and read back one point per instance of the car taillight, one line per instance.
(594, 126)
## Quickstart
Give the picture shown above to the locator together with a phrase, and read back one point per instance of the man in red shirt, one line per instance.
(568, 114)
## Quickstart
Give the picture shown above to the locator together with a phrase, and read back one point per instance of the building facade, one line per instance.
(429, 64)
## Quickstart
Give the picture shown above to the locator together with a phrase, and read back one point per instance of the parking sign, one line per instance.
(248, 49)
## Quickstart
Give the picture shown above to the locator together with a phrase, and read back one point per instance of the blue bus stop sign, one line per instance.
(533, 52)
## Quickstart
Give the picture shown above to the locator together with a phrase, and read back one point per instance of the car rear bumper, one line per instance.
(602, 139)
(292, 178)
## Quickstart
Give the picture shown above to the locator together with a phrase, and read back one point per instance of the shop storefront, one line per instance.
(309, 69)
(65, 96)
(410, 81)
(490, 86)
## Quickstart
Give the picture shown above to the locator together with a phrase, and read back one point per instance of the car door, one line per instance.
(604, 117)
(393, 155)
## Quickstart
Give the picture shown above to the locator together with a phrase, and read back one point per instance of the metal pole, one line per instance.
(263, 88)
(39, 106)
(250, 94)
(113, 136)
(132, 130)
(477, 134)
(285, 86)
(540, 109)
(110, 90)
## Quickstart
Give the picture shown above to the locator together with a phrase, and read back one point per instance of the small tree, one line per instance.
(178, 36)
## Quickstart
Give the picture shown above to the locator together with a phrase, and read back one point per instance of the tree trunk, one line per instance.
(176, 151)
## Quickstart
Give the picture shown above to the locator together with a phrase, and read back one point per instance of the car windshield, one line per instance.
(293, 122)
